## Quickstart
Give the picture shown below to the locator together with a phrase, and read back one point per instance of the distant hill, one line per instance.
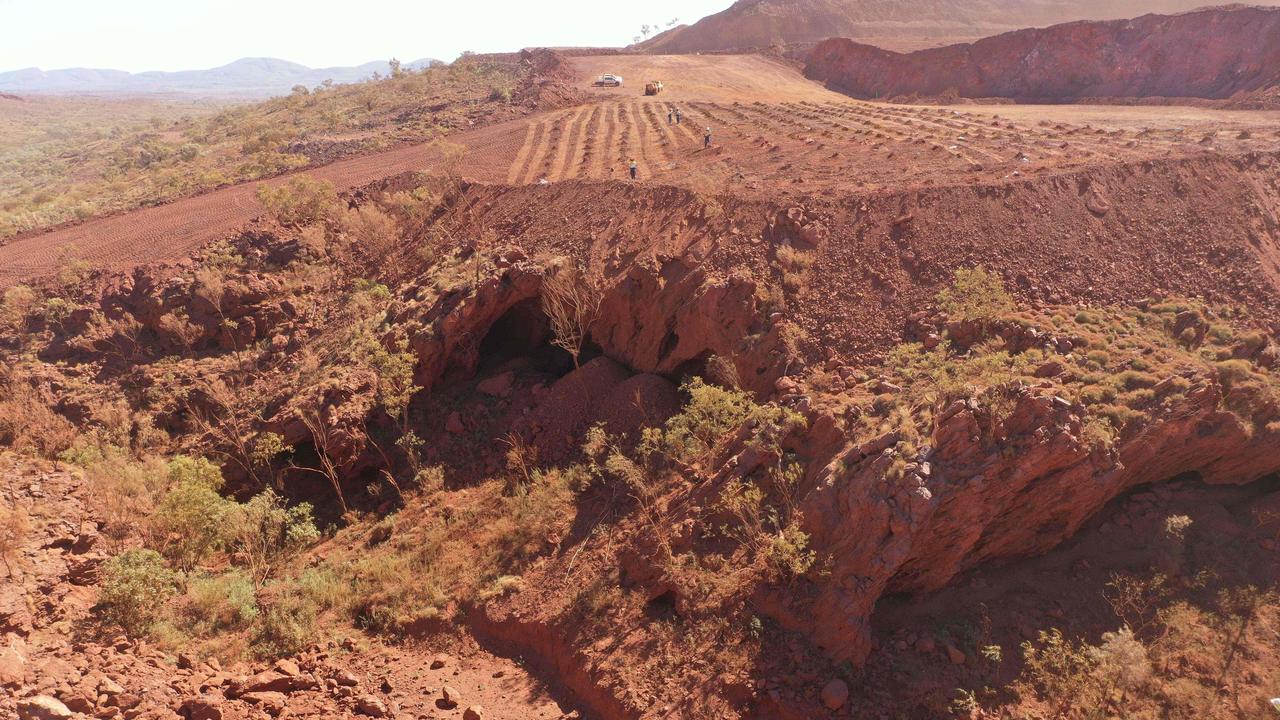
(1216, 53)
(763, 23)
(246, 77)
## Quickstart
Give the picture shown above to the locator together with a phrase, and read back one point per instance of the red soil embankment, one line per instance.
(1216, 53)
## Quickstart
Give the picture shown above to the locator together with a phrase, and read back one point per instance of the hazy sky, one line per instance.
(140, 35)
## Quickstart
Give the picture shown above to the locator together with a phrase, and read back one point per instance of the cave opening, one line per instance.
(522, 336)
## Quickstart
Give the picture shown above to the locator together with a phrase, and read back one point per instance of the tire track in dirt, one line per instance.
(522, 155)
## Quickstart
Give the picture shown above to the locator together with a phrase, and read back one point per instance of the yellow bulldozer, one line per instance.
(653, 88)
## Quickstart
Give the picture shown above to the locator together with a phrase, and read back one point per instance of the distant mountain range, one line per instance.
(245, 77)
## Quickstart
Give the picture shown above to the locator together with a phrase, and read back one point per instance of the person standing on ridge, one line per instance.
(706, 138)
(631, 164)
(669, 116)
(677, 116)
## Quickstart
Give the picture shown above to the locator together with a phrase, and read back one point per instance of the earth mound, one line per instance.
(765, 23)
(1216, 53)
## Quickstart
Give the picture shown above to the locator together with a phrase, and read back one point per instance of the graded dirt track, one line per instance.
(775, 135)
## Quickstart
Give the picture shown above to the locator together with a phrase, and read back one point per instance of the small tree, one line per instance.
(571, 302)
(188, 524)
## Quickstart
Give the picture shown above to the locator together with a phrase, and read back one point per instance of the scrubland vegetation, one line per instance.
(215, 544)
(73, 159)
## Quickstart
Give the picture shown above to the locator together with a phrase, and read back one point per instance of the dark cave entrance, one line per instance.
(523, 336)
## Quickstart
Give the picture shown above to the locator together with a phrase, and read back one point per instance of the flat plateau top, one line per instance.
(774, 134)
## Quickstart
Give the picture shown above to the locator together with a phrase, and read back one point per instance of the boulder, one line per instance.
(498, 385)
(372, 706)
(273, 703)
(835, 694)
(13, 666)
(201, 708)
(272, 681)
(475, 712)
(43, 707)
(449, 697)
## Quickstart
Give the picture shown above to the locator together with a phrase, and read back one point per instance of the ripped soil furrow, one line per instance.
(540, 145)
(522, 155)
(554, 142)
(570, 138)
(654, 154)
(592, 136)
(630, 145)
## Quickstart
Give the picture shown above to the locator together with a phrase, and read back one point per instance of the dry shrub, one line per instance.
(29, 425)
(15, 524)
(571, 301)
(370, 232)
(301, 201)
(17, 303)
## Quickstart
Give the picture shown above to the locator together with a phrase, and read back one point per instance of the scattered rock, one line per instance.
(439, 661)
(957, 657)
(288, 667)
(835, 694)
(475, 712)
(925, 645)
(345, 678)
(454, 423)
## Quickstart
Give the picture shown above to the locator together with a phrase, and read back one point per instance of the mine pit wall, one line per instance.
(683, 273)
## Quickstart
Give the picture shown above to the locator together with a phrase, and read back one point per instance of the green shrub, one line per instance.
(267, 531)
(975, 294)
(136, 585)
(287, 626)
(220, 602)
(183, 468)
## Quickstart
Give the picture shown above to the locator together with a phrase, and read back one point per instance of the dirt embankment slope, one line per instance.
(1215, 53)
(764, 23)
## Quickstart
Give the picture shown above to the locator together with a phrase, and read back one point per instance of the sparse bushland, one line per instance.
(76, 159)
(292, 359)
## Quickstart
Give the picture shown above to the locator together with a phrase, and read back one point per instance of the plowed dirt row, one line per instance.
(805, 139)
